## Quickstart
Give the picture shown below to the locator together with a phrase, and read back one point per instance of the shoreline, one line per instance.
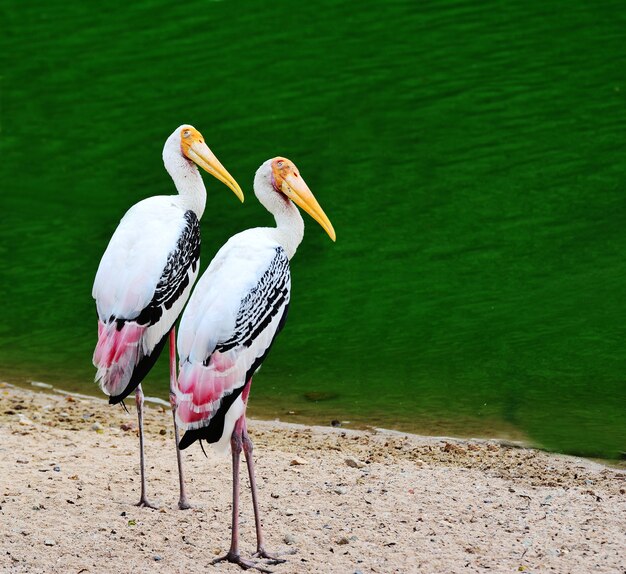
(332, 499)
(513, 437)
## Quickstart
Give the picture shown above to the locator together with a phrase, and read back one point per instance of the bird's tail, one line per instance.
(117, 353)
(204, 395)
(201, 389)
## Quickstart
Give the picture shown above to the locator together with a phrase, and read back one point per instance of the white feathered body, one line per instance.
(142, 284)
(236, 310)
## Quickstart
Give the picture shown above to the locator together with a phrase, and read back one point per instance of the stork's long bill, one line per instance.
(288, 180)
(194, 148)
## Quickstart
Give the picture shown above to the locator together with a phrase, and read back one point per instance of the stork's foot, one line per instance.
(271, 559)
(145, 503)
(245, 564)
(183, 504)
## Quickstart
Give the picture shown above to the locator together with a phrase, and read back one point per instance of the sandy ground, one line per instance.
(69, 480)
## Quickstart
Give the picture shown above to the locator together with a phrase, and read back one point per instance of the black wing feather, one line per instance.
(261, 304)
(175, 277)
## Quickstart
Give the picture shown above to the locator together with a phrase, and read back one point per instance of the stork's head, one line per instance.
(187, 142)
(287, 181)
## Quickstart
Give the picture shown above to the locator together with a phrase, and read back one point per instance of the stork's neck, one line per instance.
(289, 229)
(191, 190)
(187, 178)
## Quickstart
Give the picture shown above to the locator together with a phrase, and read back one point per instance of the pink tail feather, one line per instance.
(201, 388)
(116, 355)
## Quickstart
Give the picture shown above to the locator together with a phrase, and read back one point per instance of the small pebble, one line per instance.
(289, 539)
(157, 558)
(64, 415)
(354, 462)
(343, 540)
(289, 512)
(25, 421)
(49, 542)
(298, 461)
(335, 423)
(96, 427)
(57, 469)
(340, 490)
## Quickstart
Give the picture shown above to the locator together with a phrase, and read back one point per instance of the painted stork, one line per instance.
(235, 312)
(145, 278)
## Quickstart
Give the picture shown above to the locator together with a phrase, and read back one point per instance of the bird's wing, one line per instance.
(236, 310)
(142, 283)
(146, 260)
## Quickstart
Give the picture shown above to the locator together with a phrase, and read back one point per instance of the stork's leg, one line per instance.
(143, 501)
(233, 554)
(247, 448)
(183, 503)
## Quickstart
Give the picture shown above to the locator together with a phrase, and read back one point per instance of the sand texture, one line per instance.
(332, 500)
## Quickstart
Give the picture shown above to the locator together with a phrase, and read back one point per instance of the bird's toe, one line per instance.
(271, 559)
(145, 503)
(244, 564)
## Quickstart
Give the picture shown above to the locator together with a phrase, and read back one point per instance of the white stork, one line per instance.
(145, 278)
(235, 312)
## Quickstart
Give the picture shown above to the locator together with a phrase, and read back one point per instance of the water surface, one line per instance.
(470, 156)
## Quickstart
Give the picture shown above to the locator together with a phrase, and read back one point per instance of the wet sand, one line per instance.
(332, 500)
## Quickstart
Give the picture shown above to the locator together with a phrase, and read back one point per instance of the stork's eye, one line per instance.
(280, 164)
(186, 133)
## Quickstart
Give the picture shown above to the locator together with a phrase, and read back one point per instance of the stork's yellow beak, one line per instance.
(296, 189)
(200, 154)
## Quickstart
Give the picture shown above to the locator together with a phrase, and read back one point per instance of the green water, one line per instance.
(471, 157)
